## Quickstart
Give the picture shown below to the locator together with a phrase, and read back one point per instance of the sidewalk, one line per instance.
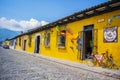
(98, 70)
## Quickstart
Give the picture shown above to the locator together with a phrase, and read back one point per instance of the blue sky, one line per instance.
(42, 10)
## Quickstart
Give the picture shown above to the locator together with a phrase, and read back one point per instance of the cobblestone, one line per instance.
(15, 65)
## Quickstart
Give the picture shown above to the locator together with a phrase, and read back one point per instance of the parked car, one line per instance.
(5, 46)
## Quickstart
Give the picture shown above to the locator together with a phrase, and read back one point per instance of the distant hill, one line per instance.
(6, 34)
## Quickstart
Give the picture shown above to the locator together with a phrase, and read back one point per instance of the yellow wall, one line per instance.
(30, 48)
(74, 55)
(17, 46)
(7, 43)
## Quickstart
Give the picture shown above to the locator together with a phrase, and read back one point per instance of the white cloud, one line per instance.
(22, 25)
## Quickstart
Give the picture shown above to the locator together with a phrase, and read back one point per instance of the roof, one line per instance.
(89, 12)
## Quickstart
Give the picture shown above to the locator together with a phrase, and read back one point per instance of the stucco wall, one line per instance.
(73, 54)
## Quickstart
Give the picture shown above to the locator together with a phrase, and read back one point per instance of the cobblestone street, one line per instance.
(15, 65)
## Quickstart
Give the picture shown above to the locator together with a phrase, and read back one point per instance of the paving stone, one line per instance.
(18, 65)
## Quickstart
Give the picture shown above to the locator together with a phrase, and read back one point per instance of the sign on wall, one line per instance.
(110, 34)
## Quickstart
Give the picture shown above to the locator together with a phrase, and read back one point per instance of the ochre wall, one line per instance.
(74, 55)
(7, 43)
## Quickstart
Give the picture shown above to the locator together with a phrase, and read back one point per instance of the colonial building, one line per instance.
(96, 29)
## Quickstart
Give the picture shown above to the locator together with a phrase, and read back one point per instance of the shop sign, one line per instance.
(101, 20)
(110, 34)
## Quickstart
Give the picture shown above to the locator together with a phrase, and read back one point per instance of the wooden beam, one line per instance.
(115, 4)
(79, 15)
(90, 12)
(65, 20)
(101, 8)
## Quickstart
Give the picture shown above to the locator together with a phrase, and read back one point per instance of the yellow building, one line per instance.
(96, 29)
(7, 42)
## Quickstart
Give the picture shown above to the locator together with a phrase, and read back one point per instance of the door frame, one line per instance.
(83, 40)
(35, 48)
(24, 46)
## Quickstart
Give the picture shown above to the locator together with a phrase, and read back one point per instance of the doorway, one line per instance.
(24, 48)
(87, 41)
(37, 44)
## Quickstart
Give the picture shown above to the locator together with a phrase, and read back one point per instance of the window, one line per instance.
(29, 40)
(19, 41)
(16, 42)
(47, 39)
(61, 38)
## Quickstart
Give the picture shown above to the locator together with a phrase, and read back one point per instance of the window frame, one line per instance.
(61, 35)
(47, 39)
(19, 41)
(29, 40)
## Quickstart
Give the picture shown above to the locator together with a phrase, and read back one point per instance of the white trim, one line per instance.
(38, 34)
(12, 46)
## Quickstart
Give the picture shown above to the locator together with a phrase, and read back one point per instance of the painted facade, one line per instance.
(7, 42)
(76, 39)
(12, 43)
